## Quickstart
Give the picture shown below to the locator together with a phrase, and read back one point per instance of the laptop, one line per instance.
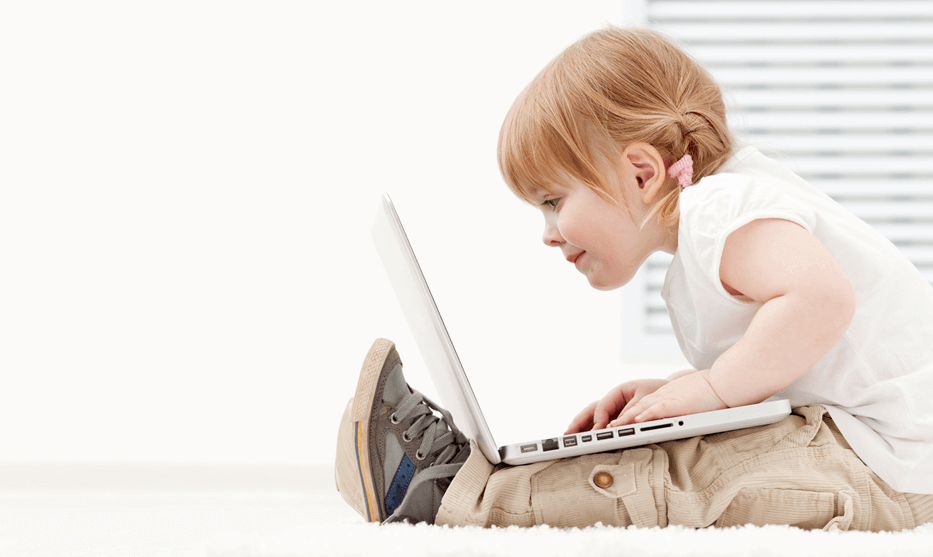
(457, 396)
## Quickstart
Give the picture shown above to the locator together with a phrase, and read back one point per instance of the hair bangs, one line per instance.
(543, 144)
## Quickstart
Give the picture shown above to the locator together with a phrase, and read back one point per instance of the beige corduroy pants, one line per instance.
(799, 471)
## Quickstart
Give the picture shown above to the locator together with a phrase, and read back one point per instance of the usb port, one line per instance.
(626, 431)
(604, 435)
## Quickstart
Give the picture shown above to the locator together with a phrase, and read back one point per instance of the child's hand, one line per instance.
(688, 394)
(583, 421)
(598, 413)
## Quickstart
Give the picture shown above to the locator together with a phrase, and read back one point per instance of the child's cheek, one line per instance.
(573, 228)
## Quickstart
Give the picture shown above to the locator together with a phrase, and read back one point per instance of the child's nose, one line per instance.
(552, 237)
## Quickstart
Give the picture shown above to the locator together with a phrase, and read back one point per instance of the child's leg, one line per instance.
(397, 453)
(799, 471)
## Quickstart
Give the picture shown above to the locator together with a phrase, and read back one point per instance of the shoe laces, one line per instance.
(438, 434)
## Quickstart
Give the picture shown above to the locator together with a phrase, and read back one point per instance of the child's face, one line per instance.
(603, 241)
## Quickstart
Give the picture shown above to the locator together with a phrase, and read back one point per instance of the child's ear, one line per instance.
(646, 168)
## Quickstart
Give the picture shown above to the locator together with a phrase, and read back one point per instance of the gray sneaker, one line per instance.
(396, 456)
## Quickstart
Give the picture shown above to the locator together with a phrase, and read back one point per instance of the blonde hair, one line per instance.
(610, 89)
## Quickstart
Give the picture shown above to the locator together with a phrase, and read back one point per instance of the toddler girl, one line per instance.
(774, 290)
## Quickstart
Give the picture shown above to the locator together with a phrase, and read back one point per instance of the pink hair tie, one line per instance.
(683, 171)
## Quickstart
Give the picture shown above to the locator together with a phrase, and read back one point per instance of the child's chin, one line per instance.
(598, 285)
(607, 279)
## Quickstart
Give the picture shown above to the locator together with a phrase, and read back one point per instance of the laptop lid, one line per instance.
(424, 319)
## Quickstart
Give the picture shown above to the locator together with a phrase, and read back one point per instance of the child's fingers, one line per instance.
(628, 415)
(609, 406)
(583, 421)
(622, 419)
(647, 409)
(661, 409)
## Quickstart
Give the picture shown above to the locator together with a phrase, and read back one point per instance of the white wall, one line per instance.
(186, 187)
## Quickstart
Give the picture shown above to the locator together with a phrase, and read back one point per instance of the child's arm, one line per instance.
(808, 304)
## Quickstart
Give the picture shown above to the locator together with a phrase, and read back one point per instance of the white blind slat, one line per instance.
(835, 99)
(859, 165)
(915, 76)
(864, 186)
(816, 32)
(893, 210)
(905, 233)
(920, 144)
(855, 53)
(826, 121)
(785, 10)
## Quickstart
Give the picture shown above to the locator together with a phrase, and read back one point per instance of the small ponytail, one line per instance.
(707, 139)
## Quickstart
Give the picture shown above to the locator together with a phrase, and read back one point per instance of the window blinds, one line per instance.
(840, 92)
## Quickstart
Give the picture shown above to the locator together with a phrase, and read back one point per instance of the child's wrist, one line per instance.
(706, 375)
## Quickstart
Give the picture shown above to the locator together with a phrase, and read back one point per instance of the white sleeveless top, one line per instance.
(877, 382)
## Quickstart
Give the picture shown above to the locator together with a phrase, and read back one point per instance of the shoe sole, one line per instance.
(360, 414)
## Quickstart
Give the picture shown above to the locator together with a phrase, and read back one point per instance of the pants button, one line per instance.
(602, 479)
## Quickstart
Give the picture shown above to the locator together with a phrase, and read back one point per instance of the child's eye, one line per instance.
(552, 202)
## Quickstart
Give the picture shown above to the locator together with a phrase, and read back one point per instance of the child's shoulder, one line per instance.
(727, 200)
(715, 185)
(722, 191)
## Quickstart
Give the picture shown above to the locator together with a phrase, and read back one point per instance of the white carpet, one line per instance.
(416, 541)
(314, 521)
